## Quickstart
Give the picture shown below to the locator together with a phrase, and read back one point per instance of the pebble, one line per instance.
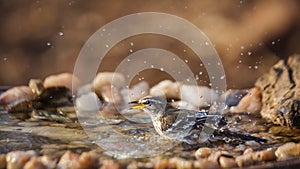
(110, 164)
(288, 150)
(16, 93)
(251, 103)
(108, 79)
(136, 92)
(200, 96)
(43, 162)
(63, 79)
(205, 164)
(264, 155)
(166, 89)
(227, 162)
(203, 152)
(88, 102)
(244, 160)
(17, 159)
(110, 94)
(2, 161)
(69, 160)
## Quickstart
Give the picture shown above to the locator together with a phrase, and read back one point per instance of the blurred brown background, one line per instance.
(44, 37)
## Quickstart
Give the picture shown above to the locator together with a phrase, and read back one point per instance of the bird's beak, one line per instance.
(137, 105)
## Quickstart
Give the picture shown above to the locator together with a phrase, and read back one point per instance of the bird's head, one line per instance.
(152, 105)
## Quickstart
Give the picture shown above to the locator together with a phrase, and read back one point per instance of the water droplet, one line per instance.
(188, 80)
(60, 33)
(128, 60)
(130, 50)
(200, 73)
(184, 50)
(201, 64)
(145, 62)
(161, 69)
(5, 59)
(249, 53)
(273, 42)
(186, 61)
(250, 67)
(174, 59)
(103, 29)
(242, 47)
(143, 92)
(107, 45)
(206, 43)
(48, 44)
(222, 77)
(210, 84)
(213, 77)
(196, 77)
(131, 43)
(152, 66)
(255, 67)
(240, 61)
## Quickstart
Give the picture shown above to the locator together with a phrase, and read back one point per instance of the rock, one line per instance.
(264, 155)
(203, 152)
(17, 159)
(183, 105)
(281, 92)
(110, 164)
(36, 86)
(2, 161)
(108, 86)
(69, 160)
(89, 160)
(288, 150)
(227, 162)
(16, 94)
(244, 160)
(136, 92)
(200, 96)
(166, 89)
(88, 102)
(250, 103)
(233, 97)
(64, 79)
(109, 79)
(43, 162)
(205, 164)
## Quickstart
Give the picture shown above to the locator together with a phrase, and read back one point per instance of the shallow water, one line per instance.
(122, 138)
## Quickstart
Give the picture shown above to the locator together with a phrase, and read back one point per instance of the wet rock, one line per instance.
(110, 164)
(199, 96)
(108, 79)
(227, 162)
(288, 150)
(88, 102)
(110, 94)
(183, 105)
(17, 159)
(2, 161)
(69, 160)
(89, 160)
(249, 157)
(43, 162)
(281, 92)
(203, 152)
(233, 97)
(244, 160)
(205, 164)
(250, 103)
(36, 86)
(136, 92)
(63, 79)
(264, 155)
(15, 94)
(166, 89)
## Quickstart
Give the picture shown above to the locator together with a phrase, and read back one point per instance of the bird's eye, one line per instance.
(146, 102)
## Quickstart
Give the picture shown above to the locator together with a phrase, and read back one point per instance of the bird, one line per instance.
(186, 125)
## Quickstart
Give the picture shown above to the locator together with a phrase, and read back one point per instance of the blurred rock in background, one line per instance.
(44, 37)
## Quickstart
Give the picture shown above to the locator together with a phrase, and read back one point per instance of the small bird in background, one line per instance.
(192, 127)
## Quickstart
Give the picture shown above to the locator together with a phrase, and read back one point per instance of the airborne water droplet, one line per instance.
(161, 69)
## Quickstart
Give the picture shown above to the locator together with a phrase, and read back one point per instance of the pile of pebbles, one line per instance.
(113, 95)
